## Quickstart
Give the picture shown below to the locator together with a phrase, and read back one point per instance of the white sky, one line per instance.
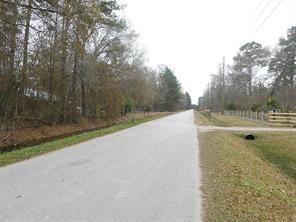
(192, 36)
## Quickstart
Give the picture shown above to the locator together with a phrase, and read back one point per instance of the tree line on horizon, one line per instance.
(63, 60)
(259, 79)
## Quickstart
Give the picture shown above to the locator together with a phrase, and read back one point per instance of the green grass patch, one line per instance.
(29, 152)
(241, 182)
(279, 149)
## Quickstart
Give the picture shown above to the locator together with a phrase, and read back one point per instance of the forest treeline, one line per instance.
(260, 78)
(64, 60)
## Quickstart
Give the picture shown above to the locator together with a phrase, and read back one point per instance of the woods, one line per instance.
(259, 78)
(62, 61)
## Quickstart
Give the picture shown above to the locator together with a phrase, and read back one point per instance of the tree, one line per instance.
(282, 69)
(250, 59)
(187, 101)
(66, 61)
(170, 89)
(245, 90)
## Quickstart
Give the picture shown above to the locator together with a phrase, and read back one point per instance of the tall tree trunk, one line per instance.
(250, 79)
(77, 59)
(74, 80)
(23, 74)
(12, 61)
(66, 23)
(292, 77)
(75, 67)
(12, 43)
(26, 42)
(83, 98)
(51, 84)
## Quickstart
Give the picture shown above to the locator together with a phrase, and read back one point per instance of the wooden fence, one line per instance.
(277, 119)
(282, 118)
(246, 114)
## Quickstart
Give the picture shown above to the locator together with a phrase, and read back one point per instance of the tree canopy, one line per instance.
(62, 61)
(257, 76)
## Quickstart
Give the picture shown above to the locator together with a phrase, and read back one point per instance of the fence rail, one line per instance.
(247, 114)
(287, 119)
(282, 118)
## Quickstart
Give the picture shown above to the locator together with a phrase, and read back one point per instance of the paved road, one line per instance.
(145, 173)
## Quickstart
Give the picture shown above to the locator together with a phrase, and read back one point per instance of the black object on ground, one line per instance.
(249, 136)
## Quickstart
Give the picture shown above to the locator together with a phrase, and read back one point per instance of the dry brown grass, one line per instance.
(239, 184)
(29, 152)
(28, 136)
(201, 119)
(228, 121)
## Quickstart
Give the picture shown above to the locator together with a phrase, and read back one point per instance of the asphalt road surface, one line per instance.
(145, 173)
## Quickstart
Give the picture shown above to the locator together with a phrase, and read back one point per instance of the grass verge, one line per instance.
(29, 152)
(277, 148)
(248, 180)
(201, 118)
(228, 121)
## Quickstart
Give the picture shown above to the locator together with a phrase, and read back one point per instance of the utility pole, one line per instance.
(209, 111)
(223, 87)
(209, 97)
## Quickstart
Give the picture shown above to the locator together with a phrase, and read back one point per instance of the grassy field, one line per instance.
(29, 152)
(248, 180)
(228, 121)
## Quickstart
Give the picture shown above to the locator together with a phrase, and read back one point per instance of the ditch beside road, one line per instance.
(247, 180)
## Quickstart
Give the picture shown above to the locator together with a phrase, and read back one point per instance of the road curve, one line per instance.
(145, 173)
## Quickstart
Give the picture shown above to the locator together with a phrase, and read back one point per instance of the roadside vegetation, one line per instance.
(277, 148)
(201, 118)
(248, 180)
(29, 152)
(258, 78)
(67, 62)
(228, 121)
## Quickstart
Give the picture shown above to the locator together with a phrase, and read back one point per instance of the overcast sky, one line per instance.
(192, 36)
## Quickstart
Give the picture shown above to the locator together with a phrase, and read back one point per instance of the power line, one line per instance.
(260, 3)
(269, 15)
(261, 12)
